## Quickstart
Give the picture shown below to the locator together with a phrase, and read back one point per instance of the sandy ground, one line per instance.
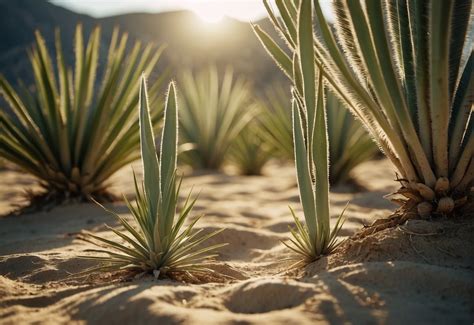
(421, 273)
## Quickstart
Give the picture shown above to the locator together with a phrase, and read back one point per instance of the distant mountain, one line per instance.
(18, 21)
(191, 43)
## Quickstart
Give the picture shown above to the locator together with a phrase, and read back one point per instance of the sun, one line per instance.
(214, 11)
(209, 14)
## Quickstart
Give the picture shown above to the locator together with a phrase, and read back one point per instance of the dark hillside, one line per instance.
(18, 21)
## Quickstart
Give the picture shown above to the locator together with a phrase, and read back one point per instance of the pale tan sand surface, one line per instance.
(421, 273)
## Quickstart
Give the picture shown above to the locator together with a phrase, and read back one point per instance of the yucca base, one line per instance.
(51, 197)
(442, 200)
(418, 201)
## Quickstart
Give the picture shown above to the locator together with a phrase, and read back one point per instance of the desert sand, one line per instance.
(419, 273)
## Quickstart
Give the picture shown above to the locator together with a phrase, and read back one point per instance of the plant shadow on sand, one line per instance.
(411, 268)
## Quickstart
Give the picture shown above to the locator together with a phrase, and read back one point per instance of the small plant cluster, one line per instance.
(408, 79)
(73, 139)
(223, 123)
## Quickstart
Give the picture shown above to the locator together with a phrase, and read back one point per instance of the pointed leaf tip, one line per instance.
(168, 158)
(148, 151)
(172, 88)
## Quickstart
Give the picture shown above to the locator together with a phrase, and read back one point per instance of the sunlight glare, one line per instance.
(208, 13)
(213, 11)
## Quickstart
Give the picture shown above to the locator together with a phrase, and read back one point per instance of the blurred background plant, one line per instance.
(275, 118)
(214, 112)
(74, 130)
(350, 144)
(250, 152)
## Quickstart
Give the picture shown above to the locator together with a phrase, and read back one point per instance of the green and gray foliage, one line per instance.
(160, 245)
(276, 122)
(404, 68)
(350, 143)
(75, 131)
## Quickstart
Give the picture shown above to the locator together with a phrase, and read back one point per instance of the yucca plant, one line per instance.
(276, 122)
(350, 143)
(214, 112)
(250, 152)
(74, 131)
(315, 238)
(159, 245)
(404, 68)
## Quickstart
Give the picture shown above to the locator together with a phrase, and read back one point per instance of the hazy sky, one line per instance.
(208, 10)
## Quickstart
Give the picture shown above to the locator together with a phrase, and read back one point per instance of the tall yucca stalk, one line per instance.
(73, 132)
(350, 143)
(159, 246)
(315, 238)
(214, 112)
(404, 68)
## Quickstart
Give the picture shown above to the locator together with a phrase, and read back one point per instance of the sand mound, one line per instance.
(395, 292)
(243, 243)
(410, 278)
(441, 242)
(265, 295)
(422, 272)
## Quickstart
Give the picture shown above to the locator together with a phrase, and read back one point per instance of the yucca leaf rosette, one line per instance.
(158, 242)
(76, 128)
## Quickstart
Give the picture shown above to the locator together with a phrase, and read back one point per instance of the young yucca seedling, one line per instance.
(315, 238)
(213, 115)
(405, 69)
(350, 143)
(160, 245)
(250, 152)
(69, 135)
